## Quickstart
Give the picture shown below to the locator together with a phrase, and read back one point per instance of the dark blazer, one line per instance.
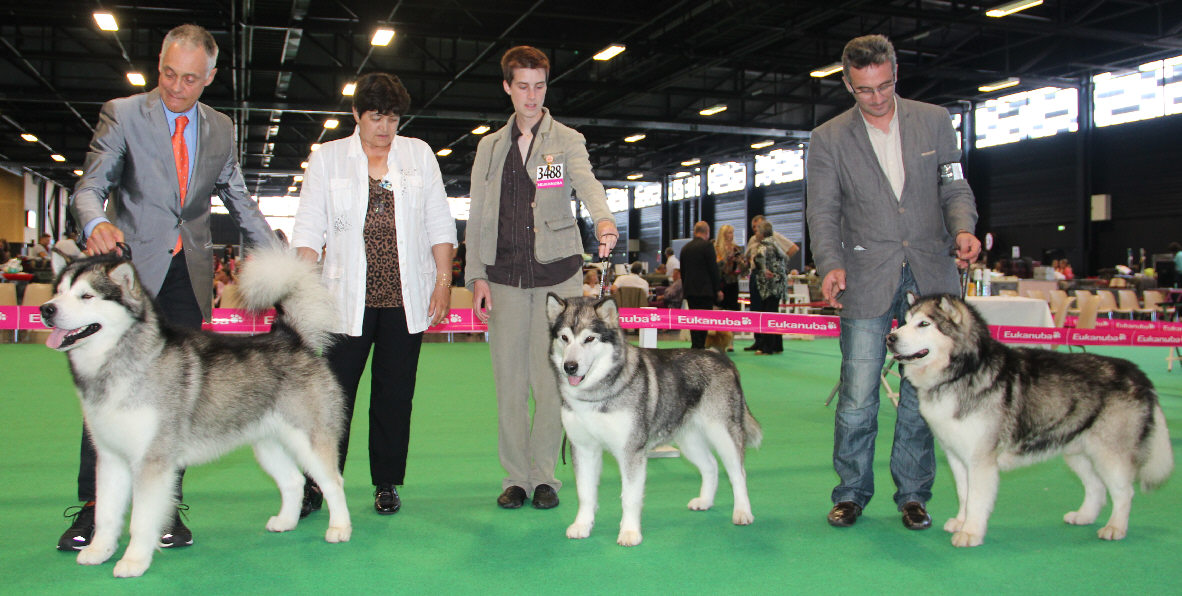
(130, 167)
(699, 269)
(856, 223)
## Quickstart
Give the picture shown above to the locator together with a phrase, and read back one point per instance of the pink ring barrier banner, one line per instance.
(1106, 333)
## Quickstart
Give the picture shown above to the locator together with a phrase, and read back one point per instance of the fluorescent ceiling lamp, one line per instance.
(446, 151)
(691, 162)
(712, 110)
(106, 21)
(349, 89)
(303, 165)
(636, 176)
(479, 130)
(315, 146)
(297, 178)
(1006, 84)
(78, 172)
(382, 37)
(56, 157)
(634, 138)
(292, 189)
(681, 174)
(331, 123)
(28, 137)
(825, 71)
(762, 144)
(136, 79)
(1010, 8)
(609, 52)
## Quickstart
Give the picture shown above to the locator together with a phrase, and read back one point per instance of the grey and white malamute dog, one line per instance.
(993, 408)
(626, 399)
(157, 399)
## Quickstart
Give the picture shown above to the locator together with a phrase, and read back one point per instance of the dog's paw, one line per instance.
(95, 554)
(338, 534)
(953, 525)
(127, 567)
(279, 524)
(1077, 518)
(578, 530)
(742, 517)
(963, 539)
(628, 538)
(700, 504)
(1112, 533)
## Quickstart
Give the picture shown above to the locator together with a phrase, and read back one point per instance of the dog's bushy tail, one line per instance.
(751, 428)
(1159, 454)
(277, 277)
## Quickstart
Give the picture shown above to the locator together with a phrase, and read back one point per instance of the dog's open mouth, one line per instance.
(915, 356)
(60, 339)
(574, 379)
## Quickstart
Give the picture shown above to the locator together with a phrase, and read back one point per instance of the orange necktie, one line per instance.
(180, 154)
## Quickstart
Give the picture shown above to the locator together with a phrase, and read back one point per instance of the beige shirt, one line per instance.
(888, 149)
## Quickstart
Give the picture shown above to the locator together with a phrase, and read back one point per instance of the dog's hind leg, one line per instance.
(728, 443)
(317, 453)
(695, 449)
(588, 464)
(1094, 495)
(152, 504)
(112, 494)
(1116, 470)
(633, 467)
(277, 463)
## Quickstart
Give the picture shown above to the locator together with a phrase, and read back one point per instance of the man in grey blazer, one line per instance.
(131, 167)
(523, 243)
(886, 202)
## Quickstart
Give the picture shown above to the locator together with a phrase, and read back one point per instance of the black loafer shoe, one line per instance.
(750, 349)
(177, 534)
(313, 499)
(386, 500)
(81, 530)
(545, 497)
(844, 514)
(915, 517)
(512, 498)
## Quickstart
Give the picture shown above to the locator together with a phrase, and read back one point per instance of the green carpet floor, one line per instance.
(450, 537)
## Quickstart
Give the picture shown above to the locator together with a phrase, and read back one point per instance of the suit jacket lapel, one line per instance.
(869, 161)
(909, 144)
(159, 138)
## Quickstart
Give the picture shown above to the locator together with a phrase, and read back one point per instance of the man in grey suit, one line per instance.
(157, 207)
(886, 201)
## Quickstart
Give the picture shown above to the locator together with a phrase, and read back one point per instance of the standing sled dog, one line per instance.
(157, 399)
(994, 407)
(626, 399)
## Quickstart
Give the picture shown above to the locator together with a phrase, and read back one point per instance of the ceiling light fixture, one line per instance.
(691, 162)
(825, 71)
(136, 79)
(291, 189)
(446, 151)
(479, 130)
(349, 89)
(331, 123)
(712, 110)
(681, 174)
(382, 37)
(56, 157)
(28, 137)
(297, 178)
(609, 52)
(106, 21)
(636, 176)
(303, 165)
(1010, 8)
(315, 146)
(1006, 84)
(762, 144)
(78, 172)
(634, 138)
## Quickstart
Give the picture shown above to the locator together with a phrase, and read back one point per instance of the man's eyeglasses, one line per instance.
(866, 92)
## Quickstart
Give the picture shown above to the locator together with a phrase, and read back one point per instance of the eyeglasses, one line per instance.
(867, 92)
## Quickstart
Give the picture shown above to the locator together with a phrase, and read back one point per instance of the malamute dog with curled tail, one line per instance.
(993, 407)
(627, 399)
(157, 399)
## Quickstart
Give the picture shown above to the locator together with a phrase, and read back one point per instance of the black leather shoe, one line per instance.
(81, 530)
(915, 517)
(512, 498)
(844, 514)
(313, 499)
(177, 534)
(750, 348)
(386, 500)
(545, 497)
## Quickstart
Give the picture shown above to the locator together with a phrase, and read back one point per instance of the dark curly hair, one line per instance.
(382, 93)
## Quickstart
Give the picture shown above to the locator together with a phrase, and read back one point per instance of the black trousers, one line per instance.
(769, 343)
(178, 306)
(698, 337)
(392, 387)
(755, 306)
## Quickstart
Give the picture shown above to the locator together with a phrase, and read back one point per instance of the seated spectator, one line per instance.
(221, 279)
(633, 279)
(674, 294)
(591, 282)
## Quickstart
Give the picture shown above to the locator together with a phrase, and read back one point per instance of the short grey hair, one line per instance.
(863, 51)
(765, 229)
(194, 36)
(637, 267)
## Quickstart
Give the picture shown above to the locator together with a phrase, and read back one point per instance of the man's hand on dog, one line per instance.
(103, 239)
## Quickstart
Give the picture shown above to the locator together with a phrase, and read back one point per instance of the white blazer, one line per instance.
(333, 204)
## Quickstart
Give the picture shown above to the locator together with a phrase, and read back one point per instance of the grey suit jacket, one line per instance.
(855, 222)
(130, 168)
(557, 235)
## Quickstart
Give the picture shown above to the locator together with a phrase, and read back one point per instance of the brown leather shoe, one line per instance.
(512, 498)
(915, 517)
(844, 514)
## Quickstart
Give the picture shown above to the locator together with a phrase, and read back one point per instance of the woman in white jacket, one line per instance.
(374, 203)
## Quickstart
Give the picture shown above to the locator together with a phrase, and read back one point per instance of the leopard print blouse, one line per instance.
(383, 286)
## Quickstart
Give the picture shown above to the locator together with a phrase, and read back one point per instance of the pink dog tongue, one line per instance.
(56, 336)
(573, 380)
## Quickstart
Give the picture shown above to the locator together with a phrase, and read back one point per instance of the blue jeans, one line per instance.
(913, 460)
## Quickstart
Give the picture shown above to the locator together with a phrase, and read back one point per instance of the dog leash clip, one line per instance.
(603, 266)
(124, 249)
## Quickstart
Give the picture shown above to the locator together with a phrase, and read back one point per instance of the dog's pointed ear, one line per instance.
(912, 298)
(554, 306)
(59, 262)
(123, 274)
(607, 310)
(951, 308)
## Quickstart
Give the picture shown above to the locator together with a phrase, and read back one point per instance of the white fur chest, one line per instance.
(127, 432)
(586, 426)
(964, 436)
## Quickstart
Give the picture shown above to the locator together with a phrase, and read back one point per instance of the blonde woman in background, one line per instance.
(731, 265)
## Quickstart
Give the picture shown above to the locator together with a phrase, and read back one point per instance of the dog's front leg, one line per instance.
(588, 463)
(151, 506)
(112, 492)
(982, 475)
(960, 477)
(633, 466)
